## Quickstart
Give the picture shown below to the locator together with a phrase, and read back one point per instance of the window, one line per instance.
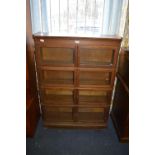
(77, 16)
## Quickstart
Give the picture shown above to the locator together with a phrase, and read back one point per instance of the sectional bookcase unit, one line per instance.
(75, 79)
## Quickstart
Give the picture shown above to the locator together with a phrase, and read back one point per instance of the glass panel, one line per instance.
(96, 57)
(95, 115)
(93, 96)
(57, 77)
(55, 96)
(57, 56)
(52, 114)
(95, 78)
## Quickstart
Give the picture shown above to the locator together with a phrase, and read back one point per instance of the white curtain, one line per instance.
(102, 17)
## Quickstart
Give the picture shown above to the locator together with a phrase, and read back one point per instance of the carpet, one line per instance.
(49, 141)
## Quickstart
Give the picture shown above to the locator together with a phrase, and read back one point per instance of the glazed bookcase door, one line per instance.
(94, 98)
(95, 78)
(91, 115)
(56, 56)
(96, 56)
(57, 97)
(57, 114)
(57, 77)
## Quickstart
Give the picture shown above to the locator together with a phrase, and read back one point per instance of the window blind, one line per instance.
(77, 16)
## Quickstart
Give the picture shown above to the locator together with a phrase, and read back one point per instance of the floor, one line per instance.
(75, 142)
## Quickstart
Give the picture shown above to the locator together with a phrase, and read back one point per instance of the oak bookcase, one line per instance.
(75, 79)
